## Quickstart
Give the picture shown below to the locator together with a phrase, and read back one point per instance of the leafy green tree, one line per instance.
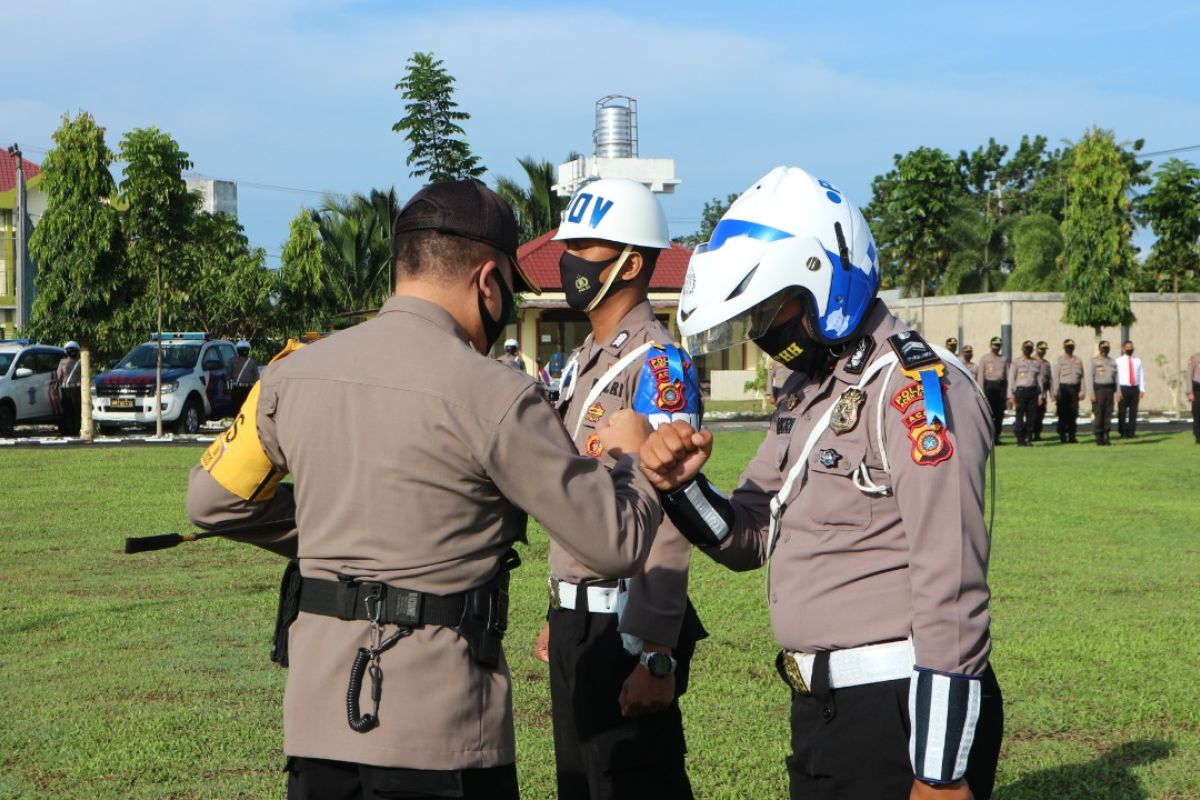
(437, 145)
(79, 247)
(157, 222)
(1097, 224)
(924, 198)
(538, 207)
(1037, 242)
(713, 211)
(304, 296)
(356, 237)
(228, 288)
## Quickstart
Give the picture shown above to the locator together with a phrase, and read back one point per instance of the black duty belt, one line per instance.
(380, 602)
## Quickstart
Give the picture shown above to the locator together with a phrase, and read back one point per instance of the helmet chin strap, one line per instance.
(612, 277)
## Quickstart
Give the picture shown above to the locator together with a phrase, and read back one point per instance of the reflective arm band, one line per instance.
(944, 709)
(701, 513)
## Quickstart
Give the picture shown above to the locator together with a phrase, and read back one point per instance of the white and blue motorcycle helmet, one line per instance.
(790, 234)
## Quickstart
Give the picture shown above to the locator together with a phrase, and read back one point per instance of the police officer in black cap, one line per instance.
(1067, 389)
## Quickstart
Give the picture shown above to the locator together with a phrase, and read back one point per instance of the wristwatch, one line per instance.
(660, 665)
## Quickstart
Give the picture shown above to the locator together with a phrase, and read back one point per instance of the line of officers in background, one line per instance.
(1029, 382)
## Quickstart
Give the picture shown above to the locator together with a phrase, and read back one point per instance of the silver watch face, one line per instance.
(660, 665)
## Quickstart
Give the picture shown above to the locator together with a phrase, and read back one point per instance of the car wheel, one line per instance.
(8, 419)
(189, 418)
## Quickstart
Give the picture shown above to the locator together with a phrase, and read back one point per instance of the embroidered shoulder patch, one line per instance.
(907, 396)
(931, 445)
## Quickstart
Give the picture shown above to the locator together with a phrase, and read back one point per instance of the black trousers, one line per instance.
(319, 779)
(599, 754)
(238, 395)
(852, 743)
(1196, 411)
(1103, 409)
(996, 393)
(71, 410)
(1127, 412)
(1039, 416)
(1025, 404)
(1068, 409)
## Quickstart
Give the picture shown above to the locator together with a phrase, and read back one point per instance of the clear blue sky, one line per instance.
(297, 93)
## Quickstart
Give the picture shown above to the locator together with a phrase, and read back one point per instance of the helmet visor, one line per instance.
(746, 326)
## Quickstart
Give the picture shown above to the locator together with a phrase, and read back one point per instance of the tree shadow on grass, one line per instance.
(1108, 777)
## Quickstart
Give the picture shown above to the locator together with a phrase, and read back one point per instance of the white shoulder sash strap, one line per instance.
(605, 379)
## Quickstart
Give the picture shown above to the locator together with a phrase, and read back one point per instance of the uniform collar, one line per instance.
(633, 322)
(427, 310)
(879, 325)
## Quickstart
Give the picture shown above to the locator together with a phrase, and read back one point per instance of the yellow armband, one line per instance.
(236, 459)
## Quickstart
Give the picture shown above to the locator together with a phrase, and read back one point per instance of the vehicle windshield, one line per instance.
(6, 360)
(145, 356)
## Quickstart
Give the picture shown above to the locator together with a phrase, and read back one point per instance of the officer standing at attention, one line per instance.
(1024, 377)
(952, 346)
(619, 651)
(866, 498)
(1045, 378)
(512, 357)
(1066, 387)
(1131, 380)
(67, 376)
(1193, 393)
(968, 353)
(993, 368)
(1102, 385)
(243, 374)
(414, 469)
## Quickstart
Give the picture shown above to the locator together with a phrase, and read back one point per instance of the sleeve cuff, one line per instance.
(701, 513)
(944, 710)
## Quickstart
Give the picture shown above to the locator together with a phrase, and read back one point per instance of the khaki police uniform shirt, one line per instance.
(242, 371)
(415, 466)
(973, 368)
(1194, 369)
(657, 598)
(1045, 374)
(993, 367)
(851, 568)
(1103, 373)
(512, 361)
(1067, 370)
(67, 373)
(1024, 373)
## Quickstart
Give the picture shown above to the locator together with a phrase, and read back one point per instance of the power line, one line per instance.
(268, 186)
(1170, 152)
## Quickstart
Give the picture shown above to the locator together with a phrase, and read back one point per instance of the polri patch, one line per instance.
(858, 358)
(670, 397)
(595, 412)
(912, 350)
(907, 396)
(593, 447)
(931, 445)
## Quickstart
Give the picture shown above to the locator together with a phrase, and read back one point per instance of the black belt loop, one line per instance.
(820, 685)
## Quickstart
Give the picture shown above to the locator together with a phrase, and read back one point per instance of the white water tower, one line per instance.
(615, 155)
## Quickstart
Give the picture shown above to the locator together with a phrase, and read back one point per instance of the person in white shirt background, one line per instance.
(1132, 383)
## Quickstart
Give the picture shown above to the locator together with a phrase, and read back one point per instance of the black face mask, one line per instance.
(492, 328)
(791, 346)
(581, 279)
(1070, 350)
(995, 348)
(1128, 351)
(1028, 351)
(1103, 351)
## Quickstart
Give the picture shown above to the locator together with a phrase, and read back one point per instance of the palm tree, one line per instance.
(538, 208)
(356, 236)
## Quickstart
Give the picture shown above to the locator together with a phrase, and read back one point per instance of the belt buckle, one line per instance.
(795, 678)
(555, 597)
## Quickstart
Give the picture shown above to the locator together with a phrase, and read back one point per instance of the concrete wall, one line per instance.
(730, 384)
(1017, 316)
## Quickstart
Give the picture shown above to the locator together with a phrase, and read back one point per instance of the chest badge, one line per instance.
(845, 412)
(829, 458)
(593, 446)
(792, 402)
(595, 412)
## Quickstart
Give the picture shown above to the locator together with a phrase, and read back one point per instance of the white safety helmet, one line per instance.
(510, 343)
(242, 345)
(789, 234)
(616, 210)
(71, 345)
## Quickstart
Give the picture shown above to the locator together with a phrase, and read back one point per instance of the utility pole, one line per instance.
(20, 283)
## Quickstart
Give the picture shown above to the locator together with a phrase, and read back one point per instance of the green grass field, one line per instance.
(147, 676)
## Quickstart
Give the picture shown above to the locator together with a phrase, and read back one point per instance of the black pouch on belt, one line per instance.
(485, 618)
(289, 607)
